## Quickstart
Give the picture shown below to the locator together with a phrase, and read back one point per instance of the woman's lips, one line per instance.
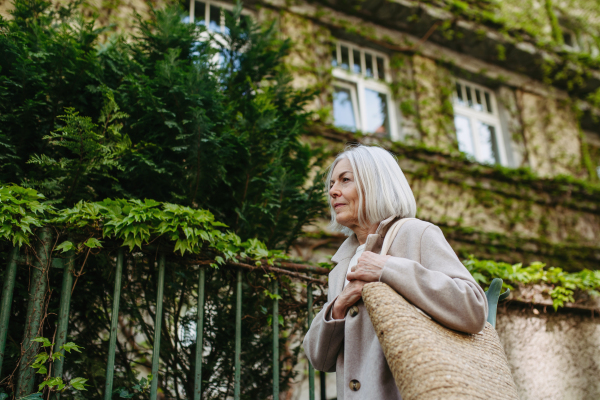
(336, 205)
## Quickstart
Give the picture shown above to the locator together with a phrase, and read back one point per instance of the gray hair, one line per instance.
(383, 190)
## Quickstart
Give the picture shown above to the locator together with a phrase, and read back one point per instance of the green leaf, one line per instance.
(93, 243)
(65, 246)
(79, 383)
(42, 370)
(45, 342)
(56, 355)
(71, 346)
(51, 382)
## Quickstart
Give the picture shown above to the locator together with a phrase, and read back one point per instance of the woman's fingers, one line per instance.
(368, 268)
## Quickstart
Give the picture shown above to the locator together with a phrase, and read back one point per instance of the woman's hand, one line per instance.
(368, 268)
(349, 296)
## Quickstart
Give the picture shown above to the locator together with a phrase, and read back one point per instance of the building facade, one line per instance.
(492, 108)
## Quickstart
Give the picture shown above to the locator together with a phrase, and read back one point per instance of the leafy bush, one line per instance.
(203, 128)
(562, 285)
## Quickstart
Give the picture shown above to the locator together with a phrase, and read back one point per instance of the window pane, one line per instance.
(199, 13)
(380, 68)
(334, 60)
(345, 58)
(343, 109)
(469, 97)
(459, 96)
(215, 19)
(478, 104)
(463, 134)
(488, 102)
(369, 65)
(377, 113)
(357, 69)
(228, 15)
(488, 144)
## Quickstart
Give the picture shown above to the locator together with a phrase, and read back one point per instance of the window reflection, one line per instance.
(478, 106)
(343, 108)
(369, 65)
(356, 67)
(488, 145)
(215, 19)
(334, 58)
(488, 102)
(459, 95)
(376, 113)
(226, 15)
(380, 68)
(469, 96)
(463, 134)
(345, 58)
(200, 13)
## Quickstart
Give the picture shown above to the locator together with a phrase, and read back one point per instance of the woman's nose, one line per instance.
(334, 191)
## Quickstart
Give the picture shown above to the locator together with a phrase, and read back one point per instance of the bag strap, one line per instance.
(391, 235)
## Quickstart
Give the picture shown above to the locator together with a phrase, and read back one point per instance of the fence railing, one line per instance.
(38, 287)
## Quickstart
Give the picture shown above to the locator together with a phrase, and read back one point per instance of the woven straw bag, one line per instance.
(430, 361)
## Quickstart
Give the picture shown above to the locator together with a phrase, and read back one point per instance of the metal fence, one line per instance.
(38, 286)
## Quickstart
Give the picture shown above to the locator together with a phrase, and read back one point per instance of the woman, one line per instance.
(368, 193)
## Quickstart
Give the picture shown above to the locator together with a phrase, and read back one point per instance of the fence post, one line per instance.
(35, 313)
(238, 337)
(157, 327)
(5, 304)
(199, 336)
(63, 313)
(275, 323)
(311, 370)
(323, 387)
(110, 365)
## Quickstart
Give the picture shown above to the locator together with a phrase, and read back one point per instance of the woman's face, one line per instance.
(344, 195)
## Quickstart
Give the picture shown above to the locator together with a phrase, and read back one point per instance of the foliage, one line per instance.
(55, 384)
(139, 388)
(92, 153)
(137, 223)
(156, 116)
(563, 285)
(21, 209)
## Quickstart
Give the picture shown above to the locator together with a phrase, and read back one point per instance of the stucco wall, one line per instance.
(552, 355)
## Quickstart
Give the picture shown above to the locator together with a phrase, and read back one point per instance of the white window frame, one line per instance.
(492, 119)
(357, 83)
(223, 7)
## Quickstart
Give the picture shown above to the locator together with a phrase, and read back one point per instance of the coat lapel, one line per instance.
(344, 254)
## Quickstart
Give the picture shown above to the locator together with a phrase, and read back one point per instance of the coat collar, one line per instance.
(374, 241)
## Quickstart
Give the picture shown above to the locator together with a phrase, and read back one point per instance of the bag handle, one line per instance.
(387, 243)
(391, 235)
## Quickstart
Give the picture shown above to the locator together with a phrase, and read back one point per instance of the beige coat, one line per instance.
(426, 271)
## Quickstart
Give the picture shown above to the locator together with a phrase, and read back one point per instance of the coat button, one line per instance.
(353, 313)
(354, 385)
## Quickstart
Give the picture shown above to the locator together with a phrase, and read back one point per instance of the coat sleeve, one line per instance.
(324, 339)
(440, 285)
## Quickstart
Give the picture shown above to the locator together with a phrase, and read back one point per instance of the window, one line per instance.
(477, 123)
(361, 96)
(214, 13)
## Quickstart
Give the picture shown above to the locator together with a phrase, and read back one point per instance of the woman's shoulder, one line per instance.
(414, 230)
(415, 224)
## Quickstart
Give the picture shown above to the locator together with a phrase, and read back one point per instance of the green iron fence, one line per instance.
(38, 286)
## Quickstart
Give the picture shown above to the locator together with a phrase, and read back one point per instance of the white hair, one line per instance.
(383, 190)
